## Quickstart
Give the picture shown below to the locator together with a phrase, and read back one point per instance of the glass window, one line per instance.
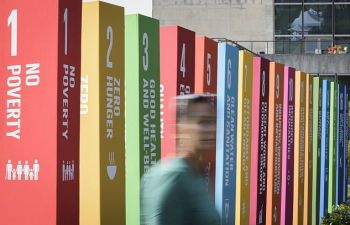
(342, 19)
(317, 45)
(288, 45)
(341, 0)
(317, 19)
(317, 1)
(288, 1)
(344, 44)
(288, 20)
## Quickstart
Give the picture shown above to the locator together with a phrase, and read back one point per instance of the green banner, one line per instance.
(142, 106)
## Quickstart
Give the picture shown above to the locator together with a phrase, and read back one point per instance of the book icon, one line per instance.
(111, 167)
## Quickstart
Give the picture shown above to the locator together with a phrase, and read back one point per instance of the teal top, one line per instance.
(174, 194)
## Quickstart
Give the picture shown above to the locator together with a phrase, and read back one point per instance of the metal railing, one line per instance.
(292, 46)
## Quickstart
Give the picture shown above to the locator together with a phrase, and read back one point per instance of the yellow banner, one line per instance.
(102, 143)
(245, 73)
(299, 147)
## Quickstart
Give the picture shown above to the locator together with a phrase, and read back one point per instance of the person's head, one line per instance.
(195, 126)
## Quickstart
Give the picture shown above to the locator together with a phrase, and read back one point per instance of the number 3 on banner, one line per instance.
(12, 21)
(65, 20)
(145, 57)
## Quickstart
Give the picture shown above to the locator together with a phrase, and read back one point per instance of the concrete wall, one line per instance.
(133, 6)
(325, 64)
(238, 20)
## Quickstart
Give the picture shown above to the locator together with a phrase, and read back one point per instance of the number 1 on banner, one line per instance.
(12, 21)
(65, 20)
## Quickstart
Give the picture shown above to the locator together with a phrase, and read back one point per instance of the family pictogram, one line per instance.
(68, 170)
(22, 171)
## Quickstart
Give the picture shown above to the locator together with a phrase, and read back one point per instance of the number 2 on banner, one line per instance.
(65, 20)
(12, 21)
(183, 60)
(110, 38)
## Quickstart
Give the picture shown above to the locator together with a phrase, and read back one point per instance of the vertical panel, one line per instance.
(339, 140)
(39, 101)
(341, 144)
(102, 115)
(315, 146)
(331, 149)
(324, 172)
(89, 117)
(177, 49)
(259, 141)
(225, 185)
(245, 73)
(309, 133)
(288, 146)
(206, 82)
(206, 65)
(335, 141)
(299, 147)
(346, 138)
(112, 145)
(68, 135)
(142, 106)
(274, 165)
(308, 150)
(319, 149)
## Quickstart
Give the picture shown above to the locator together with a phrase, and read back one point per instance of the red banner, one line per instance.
(177, 49)
(39, 111)
(206, 82)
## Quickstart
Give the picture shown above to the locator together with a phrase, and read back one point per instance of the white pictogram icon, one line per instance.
(227, 210)
(19, 170)
(22, 171)
(111, 167)
(26, 170)
(261, 215)
(8, 170)
(68, 170)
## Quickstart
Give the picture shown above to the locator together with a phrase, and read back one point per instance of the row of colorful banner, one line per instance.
(87, 101)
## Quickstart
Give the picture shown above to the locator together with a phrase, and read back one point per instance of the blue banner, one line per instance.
(324, 149)
(227, 91)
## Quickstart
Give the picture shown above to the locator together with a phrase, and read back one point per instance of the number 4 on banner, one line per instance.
(183, 60)
(12, 21)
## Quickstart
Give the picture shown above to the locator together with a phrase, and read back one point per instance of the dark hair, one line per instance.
(185, 103)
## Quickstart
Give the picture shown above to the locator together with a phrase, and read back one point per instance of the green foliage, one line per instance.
(339, 216)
